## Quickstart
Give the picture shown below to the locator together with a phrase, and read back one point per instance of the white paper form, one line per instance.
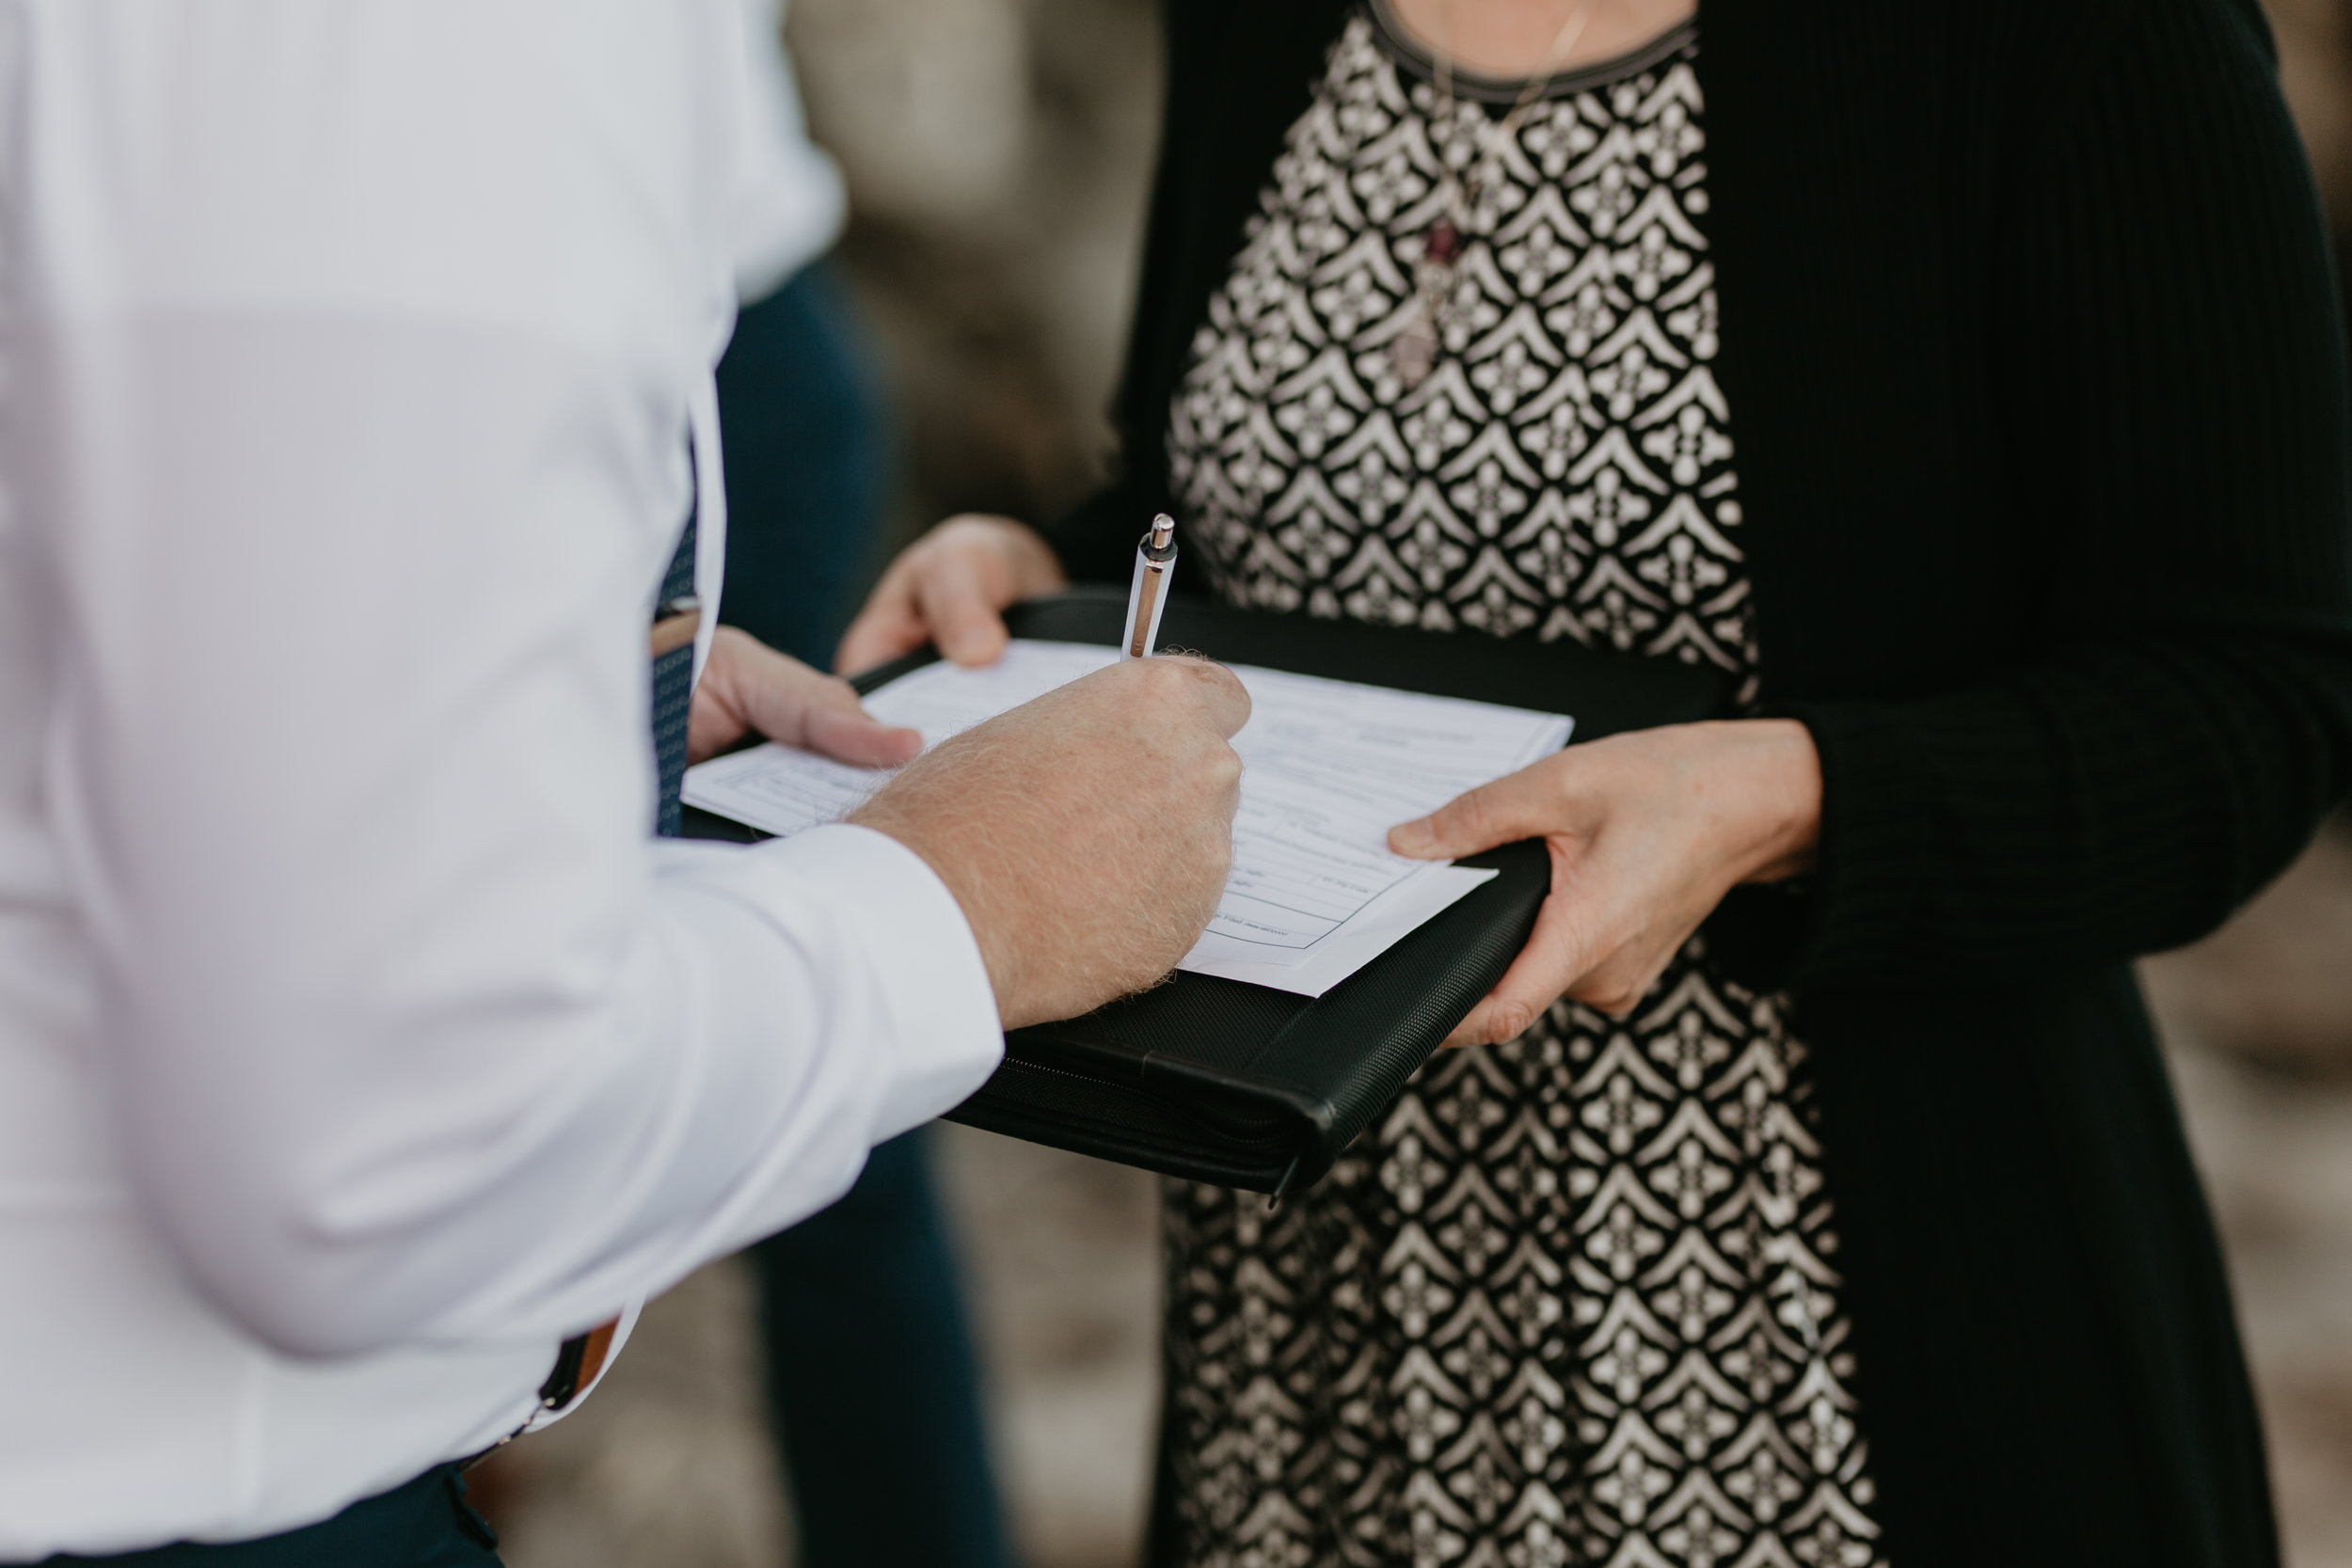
(1328, 766)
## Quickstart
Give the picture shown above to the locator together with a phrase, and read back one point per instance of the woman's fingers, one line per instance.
(1555, 957)
(1525, 804)
(950, 588)
(1647, 830)
(888, 626)
(1596, 941)
(1520, 999)
(957, 606)
(1618, 983)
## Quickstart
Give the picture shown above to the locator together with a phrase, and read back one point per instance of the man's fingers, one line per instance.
(710, 728)
(1520, 805)
(847, 732)
(961, 620)
(1181, 679)
(828, 719)
(786, 701)
(1221, 691)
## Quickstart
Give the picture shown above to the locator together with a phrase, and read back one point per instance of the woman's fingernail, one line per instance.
(1411, 838)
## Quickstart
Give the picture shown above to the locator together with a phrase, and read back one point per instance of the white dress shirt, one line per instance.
(357, 1041)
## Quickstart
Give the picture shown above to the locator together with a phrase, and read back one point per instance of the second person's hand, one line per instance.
(951, 587)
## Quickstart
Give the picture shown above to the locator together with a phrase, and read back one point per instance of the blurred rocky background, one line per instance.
(997, 153)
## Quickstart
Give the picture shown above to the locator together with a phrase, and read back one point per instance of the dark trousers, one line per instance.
(425, 1524)
(871, 1375)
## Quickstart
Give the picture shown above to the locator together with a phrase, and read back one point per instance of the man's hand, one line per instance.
(748, 685)
(1086, 834)
(951, 587)
(1648, 831)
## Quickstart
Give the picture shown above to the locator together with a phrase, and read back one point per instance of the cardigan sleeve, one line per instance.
(2171, 369)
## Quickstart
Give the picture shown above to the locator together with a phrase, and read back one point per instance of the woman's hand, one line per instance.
(748, 685)
(1648, 831)
(950, 587)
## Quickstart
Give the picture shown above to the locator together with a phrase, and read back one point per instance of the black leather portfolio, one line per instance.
(1216, 1080)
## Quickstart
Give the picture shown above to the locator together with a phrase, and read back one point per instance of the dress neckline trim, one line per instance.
(1407, 51)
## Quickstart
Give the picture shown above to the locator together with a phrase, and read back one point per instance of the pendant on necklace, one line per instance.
(1413, 352)
(1442, 245)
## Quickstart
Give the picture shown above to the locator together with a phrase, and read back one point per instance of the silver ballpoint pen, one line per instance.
(1155, 558)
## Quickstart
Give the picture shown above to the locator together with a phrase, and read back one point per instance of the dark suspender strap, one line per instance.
(577, 1365)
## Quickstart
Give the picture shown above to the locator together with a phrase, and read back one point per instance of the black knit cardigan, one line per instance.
(2031, 340)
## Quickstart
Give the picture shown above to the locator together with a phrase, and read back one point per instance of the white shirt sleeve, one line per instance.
(351, 349)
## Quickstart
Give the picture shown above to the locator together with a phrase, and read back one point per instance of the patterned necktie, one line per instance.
(676, 615)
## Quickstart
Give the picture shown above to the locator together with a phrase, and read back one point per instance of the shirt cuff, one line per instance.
(895, 912)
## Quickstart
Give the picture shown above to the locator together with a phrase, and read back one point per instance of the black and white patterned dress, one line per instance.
(1575, 1301)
